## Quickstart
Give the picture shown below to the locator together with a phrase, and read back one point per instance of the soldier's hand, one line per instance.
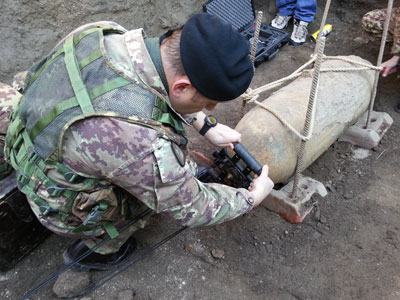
(261, 186)
(390, 66)
(223, 136)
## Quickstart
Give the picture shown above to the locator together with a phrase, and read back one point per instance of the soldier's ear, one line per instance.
(182, 88)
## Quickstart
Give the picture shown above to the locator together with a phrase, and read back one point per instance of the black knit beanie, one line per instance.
(215, 57)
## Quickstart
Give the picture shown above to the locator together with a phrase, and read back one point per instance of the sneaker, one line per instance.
(280, 22)
(299, 33)
(96, 261)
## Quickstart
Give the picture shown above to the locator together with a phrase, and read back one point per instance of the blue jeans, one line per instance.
(303, 10)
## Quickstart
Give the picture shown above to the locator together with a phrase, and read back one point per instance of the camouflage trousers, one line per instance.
(104, 245)
(373, 22)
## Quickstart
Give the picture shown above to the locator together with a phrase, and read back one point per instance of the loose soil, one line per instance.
(347, 248)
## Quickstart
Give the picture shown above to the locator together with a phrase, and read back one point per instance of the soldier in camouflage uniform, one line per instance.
(373, 22)
(108, 142)
(9, 98)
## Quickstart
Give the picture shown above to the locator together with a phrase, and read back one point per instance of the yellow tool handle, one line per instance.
(325, 31)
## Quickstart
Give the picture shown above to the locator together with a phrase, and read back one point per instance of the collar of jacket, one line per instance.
(153, 47)
(144, 66)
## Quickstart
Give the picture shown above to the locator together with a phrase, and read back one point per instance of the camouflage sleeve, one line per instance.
(138, 160)
(396, 31)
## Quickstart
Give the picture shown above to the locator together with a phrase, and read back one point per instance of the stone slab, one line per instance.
(370, 137)
(295, 209)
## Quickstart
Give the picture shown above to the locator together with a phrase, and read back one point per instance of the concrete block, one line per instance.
(370, 137)
(295, 209)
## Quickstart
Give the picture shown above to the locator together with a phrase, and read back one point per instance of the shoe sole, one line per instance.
(89, 267)
(68, 261)
(295, 44)
(77, 266)
(278, 27)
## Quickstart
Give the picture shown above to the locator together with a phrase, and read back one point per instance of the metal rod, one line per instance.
(380, 58)
(319, 52)
(323, 21)
(253, 50)
(256, 36)
(312, 102)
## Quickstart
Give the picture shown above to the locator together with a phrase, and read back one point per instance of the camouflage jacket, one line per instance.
(146, 165)
(373, 22)
(9, 98)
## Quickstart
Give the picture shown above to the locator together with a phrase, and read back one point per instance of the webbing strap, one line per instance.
(163, 115)
(47, 119)
(96, 54)
(13, 131)
(78, 86)
(108, 86)
(76, 40)
(166, 118)
(49, 61)
(111, 230)
(72, 102)
(31, 169)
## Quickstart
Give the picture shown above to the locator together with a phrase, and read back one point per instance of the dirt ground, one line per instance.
(347, 248)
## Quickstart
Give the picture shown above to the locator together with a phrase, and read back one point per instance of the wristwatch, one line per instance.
(209, 122)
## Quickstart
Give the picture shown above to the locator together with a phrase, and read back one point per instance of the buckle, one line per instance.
(18, 142)
(23, 180)
(32, 157)
(55, 191)
(47, 210)
(72, 177)
(94, 216)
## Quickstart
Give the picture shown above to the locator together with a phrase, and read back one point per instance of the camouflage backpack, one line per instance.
(9, 98)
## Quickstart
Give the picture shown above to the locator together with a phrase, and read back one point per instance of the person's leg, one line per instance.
(286, 7)
(113, 245)
(305, 10)
(304, 14)
(285, 11)
(110, 252)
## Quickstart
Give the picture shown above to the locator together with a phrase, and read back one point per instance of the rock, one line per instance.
(198, 250)
(218, 253)
(322, 219)
(330, 187)
(71, 283)
(361, 153)
(348, 195)
(286, 232)
(316, 235)
(126, 295)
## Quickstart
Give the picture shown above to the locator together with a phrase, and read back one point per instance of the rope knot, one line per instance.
(249, 96)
